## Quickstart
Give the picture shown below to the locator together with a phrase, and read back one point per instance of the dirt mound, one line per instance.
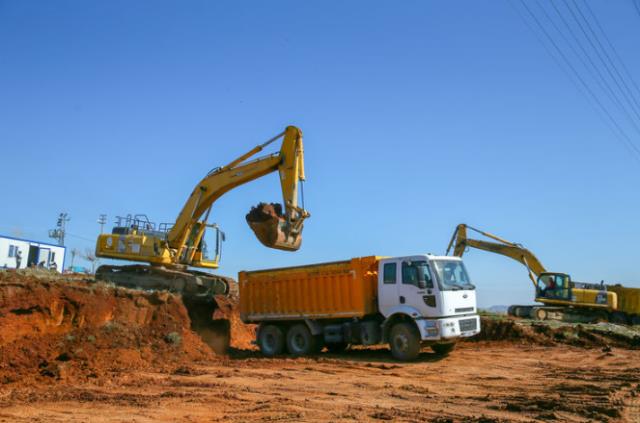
(553, 333)
(51, 327)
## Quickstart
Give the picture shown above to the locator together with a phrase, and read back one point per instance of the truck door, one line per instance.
(388, 286)
(417, 288)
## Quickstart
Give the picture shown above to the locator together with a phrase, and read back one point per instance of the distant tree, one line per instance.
(90, 256)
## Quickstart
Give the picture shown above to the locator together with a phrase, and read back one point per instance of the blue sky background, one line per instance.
(416, 115)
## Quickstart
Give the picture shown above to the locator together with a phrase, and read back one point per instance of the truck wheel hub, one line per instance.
(401, 342)
(299, 342)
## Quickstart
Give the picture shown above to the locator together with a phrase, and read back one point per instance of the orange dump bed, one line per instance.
(319, 291)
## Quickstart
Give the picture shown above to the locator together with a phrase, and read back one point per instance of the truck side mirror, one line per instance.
(422, 284)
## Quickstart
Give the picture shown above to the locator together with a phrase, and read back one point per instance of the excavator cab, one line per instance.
(554, 286)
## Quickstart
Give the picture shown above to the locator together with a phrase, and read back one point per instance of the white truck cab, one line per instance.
(431, 293)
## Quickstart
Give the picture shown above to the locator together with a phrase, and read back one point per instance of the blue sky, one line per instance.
(416, 115)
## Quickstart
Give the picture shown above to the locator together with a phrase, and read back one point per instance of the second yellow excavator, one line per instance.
(171, 251)
(559, 295)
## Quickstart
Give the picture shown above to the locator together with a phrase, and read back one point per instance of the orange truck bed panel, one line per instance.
(342, 289)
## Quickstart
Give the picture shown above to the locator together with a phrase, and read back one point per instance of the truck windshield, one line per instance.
(452, 275)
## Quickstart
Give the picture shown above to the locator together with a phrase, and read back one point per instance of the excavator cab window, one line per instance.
(554, 285)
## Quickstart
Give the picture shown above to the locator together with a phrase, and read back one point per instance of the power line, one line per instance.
(600, 79)
(613, 124)
(610, 44)
(624, 93)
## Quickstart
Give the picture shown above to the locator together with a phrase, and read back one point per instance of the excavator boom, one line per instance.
(283, 232)
(460, 242)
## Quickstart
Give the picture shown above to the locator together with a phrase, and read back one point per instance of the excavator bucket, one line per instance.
(270, 226)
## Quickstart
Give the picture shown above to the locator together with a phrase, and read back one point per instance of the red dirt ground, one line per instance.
(73, 350)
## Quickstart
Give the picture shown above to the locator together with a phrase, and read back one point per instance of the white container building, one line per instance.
(23, 253)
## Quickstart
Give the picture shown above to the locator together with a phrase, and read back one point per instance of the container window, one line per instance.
(389, 273)
(12, 251)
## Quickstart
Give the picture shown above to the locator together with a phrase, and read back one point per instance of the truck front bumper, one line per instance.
(449, 328)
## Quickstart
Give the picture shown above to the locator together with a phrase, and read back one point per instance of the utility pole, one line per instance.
(74, 253)
(102, 220)
(59, 232)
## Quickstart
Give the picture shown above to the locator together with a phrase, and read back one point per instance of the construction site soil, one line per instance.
(75, 350)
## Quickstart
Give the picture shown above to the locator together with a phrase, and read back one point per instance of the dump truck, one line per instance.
(407, 302)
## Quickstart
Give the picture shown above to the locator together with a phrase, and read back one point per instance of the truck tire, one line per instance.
(404, 341)
(300, 341)
(271, 340)
(443, 349)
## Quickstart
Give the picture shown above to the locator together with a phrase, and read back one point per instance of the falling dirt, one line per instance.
(76, 351)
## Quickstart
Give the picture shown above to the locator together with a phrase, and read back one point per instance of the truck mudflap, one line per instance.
(449, 327)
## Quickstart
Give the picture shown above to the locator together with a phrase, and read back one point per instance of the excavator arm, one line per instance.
(280, 232)
(460, 242)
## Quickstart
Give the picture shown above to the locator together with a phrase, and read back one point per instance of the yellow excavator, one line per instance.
(172, 251)
(560, 295)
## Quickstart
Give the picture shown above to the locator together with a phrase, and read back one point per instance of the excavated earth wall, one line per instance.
(54, 327)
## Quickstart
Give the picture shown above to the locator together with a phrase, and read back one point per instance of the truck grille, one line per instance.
(464, 310)
(468, 324)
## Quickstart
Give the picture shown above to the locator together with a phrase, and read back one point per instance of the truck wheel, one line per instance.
(337, 347)
(404, 341)
(443, 349)
(300, 341)
(271, 340)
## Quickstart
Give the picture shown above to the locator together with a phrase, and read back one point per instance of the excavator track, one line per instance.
(193, 286)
